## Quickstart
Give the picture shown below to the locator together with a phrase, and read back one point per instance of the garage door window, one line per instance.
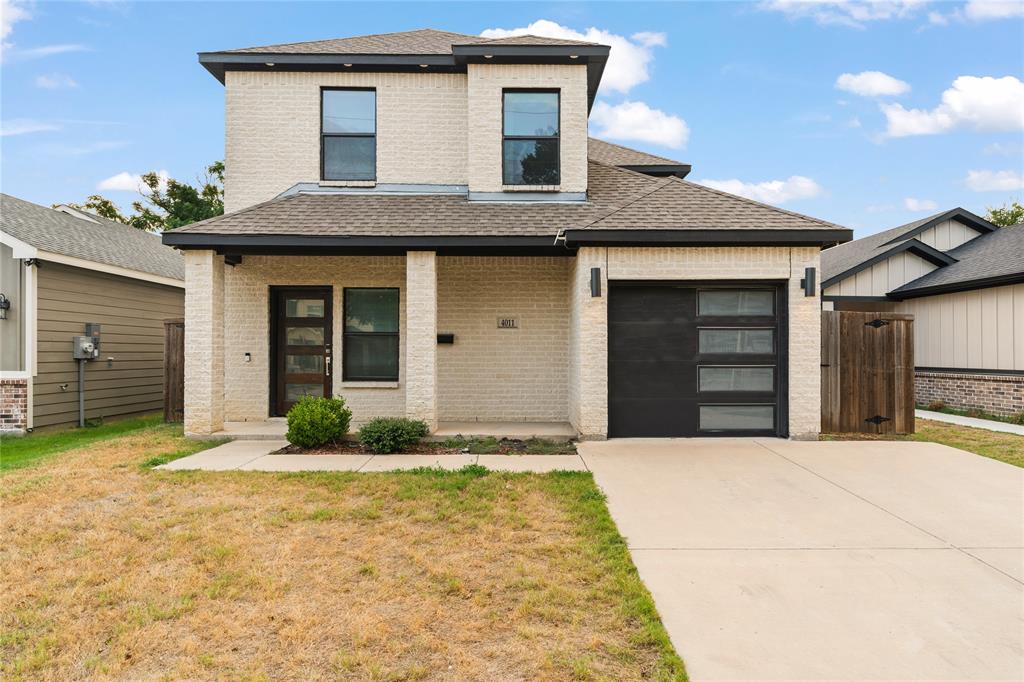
(746, 379)
(733, 341)
(736, 302)
(737, 417)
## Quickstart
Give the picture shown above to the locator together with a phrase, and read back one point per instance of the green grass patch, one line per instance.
(20, 451)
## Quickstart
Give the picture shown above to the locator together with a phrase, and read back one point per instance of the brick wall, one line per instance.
(492, 374)
(486, 82)
(995, 393)
(272, 129)
(13, 405)
(204, 342)
(247, 324)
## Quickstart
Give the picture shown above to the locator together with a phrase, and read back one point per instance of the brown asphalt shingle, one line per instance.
(617, 199)
(617, 155)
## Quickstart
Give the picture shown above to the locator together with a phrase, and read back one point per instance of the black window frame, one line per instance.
(345, 335)
(323, 175)
(557, 138)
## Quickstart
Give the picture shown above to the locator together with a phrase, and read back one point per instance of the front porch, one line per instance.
(274, 429)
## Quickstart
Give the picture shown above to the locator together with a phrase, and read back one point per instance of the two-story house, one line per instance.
(419, 223)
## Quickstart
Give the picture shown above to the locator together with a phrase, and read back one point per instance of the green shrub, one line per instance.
(313, 422)
(385, 435)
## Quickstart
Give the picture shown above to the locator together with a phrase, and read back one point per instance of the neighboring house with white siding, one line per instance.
(963, 280)
(61, 269)
(418, 222)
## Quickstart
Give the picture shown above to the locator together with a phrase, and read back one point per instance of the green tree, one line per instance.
(1007, 214)
(179, 203)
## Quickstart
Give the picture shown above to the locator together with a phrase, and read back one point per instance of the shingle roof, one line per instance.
(839, 259)
(996, 254)
(617, 155)
(420, 41)
(617, 199)
(98, 240)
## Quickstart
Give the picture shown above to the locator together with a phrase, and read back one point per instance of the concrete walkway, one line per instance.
(254, 455)
(988, 424)
(772, 559)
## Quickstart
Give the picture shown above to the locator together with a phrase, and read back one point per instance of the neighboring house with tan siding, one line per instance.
(963, 280)
(418, 222)
(61, 269)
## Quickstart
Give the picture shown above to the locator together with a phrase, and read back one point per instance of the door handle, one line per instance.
(327, 363)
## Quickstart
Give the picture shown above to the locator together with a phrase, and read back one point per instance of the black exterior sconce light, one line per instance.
(595, 282)
(5, 305)
(808, 282)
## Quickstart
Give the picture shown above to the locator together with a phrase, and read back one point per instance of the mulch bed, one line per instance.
(505, 447)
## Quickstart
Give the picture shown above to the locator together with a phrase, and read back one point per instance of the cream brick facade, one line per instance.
(247, 325)
(421, 345)
(486, 82)
(272, 129)
(589, 337)
(204, 342)
(492, 374)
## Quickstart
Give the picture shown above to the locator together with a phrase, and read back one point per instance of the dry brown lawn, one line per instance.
(113, 570)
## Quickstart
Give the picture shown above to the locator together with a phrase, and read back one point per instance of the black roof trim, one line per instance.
(953, 287)
(858, 299)
(971, 370)
(709, 237)
(972, 220)
(919, 248)
(680, 170)
(595, 57)
(264, 244)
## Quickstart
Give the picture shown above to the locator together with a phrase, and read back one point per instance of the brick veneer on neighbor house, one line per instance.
(13, 405)
(999, 394)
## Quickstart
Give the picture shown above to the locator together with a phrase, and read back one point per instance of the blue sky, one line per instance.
(929, 114)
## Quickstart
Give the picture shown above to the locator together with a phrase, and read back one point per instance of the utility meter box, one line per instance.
(86, 347)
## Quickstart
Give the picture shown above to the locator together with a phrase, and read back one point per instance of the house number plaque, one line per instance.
(508, 323)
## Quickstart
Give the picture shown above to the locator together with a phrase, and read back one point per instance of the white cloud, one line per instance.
(994, 181)
(11, 12)
(853, 123)
(984, 10)
(130, 182)
(871, 84)
(912, 204)
(629, 59)
(937, 18)
(55, 81)
(770, 192)
(978, 103)
(853, 13)
(24, 126)
(637, 121)
(48, 50)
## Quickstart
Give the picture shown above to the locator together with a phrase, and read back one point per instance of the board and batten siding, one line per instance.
(980, 329)
(882, 277)
(948, 235)
(131, 313)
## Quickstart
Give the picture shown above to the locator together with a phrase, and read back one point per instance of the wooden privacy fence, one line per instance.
(174, 370)
(867, 372)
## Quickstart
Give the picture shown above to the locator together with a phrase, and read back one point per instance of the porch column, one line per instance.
(588, 344)
(204, 342)
(421, 336)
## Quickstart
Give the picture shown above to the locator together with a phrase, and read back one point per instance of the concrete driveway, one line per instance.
(773, 559)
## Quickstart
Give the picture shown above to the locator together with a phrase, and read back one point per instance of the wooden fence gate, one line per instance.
(174, 370)
(867, 372)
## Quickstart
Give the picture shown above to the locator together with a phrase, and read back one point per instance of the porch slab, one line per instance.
(268, 429)
(514, 430)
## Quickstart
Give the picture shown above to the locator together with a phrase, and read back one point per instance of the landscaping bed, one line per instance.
(450, 446)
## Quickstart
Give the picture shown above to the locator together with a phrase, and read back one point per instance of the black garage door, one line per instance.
(696, 360)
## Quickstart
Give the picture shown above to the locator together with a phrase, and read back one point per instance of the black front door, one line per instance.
(695, 360)
(300, 345)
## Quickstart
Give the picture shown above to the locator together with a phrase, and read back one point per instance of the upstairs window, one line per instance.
(530, 153)
(348, 134)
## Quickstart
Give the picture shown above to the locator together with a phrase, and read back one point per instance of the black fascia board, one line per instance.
(929, 253)
(679, 170)
(953, 287)
(219, 62)
(705, 237)
(977, 223)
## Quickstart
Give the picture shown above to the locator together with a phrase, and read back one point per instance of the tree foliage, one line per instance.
(162, 209)
(1007, 214)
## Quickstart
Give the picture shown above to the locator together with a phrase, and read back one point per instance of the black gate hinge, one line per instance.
(876, 323)
(877, 419)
